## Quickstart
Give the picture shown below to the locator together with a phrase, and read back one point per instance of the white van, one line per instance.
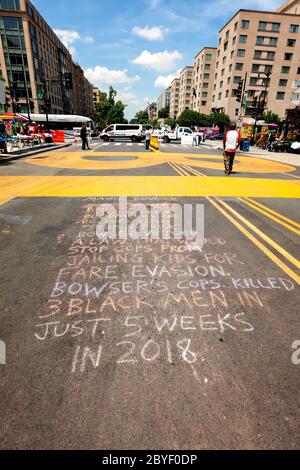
(134, 132)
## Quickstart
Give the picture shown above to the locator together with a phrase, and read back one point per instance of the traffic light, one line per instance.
(239, 91)
(31, 105)
(69, 81)
(47, 103)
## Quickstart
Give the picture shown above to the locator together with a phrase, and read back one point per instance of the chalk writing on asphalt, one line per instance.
(148, 302)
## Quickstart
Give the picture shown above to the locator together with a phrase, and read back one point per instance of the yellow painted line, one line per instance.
(196, 172)
(258, 243)
(262, 235)
(268, 209)
(147, 186)
(272, 217)
(178, 169)
(98, 161)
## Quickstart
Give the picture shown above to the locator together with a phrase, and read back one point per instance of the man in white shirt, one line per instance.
(231, 142)
(148, 138)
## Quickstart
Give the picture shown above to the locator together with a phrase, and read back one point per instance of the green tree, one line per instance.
(221, 120)
(170, 122)
(189, 118)
(108, 111)
(164, 113)
(141, 117)
(271, 117)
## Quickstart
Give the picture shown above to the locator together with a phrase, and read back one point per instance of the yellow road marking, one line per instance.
(272, 217)
(147, 186)
(192, 170)
(178, 169)
(258, 243)
(268, 209)
(262, 235)
(79, 160)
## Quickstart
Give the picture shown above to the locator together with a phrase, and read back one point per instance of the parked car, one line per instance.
(294, 148)
(134, 132)
(281, 146)
(217, 137)
(169, 135)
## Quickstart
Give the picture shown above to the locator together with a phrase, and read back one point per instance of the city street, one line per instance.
(147, 344)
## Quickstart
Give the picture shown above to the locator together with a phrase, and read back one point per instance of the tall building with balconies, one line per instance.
(203, 80)
(163, 101)
(186, 89)
(291, 6)
(262, 49)
(174, 99)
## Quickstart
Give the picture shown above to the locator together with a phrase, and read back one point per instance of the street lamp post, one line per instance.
(260, 100)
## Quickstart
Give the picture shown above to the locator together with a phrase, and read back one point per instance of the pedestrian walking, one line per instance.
(231, 142)
(147, 139)
(84, 137)
(272, 139)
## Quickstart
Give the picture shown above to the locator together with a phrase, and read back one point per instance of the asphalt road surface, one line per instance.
(149, 344)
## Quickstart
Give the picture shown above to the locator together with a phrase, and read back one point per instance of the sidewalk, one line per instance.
(288, 158)
(31, 151)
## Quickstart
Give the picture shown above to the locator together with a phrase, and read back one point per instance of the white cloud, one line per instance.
(159, 61)
(88, 40)
(104, 76)
(156, 33)
(128, 97)
(164, 81)
(154, 3)
(68, 38)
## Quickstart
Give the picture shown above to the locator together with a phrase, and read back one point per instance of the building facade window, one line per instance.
(294, 28)
(262, 25)
(288, 56)
(241, 52)
(237, 79)
(245, 24)
(255, 68)
(285, 69)
(280, 95)
(10, 4)
(291, 42)
(239, 66)
(275, 27)
(283, 82)
(273, 41)
(270, 55)
(243, 38)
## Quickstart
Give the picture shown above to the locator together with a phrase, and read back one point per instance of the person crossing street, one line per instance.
(231, 142)
(84, 137)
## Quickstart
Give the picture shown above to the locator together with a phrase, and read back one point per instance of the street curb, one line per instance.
(10, 156)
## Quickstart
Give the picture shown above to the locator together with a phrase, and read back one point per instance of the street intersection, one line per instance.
(145, 344)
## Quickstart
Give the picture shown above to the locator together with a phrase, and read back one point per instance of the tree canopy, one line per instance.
(192, 118)
(271, 117)
(110, 111)
(164, 113)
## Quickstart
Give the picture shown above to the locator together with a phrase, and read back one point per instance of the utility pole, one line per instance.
(46, 101)
(260, 100)
(26, 86)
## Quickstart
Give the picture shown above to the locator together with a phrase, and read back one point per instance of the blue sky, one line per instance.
(138, 46)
